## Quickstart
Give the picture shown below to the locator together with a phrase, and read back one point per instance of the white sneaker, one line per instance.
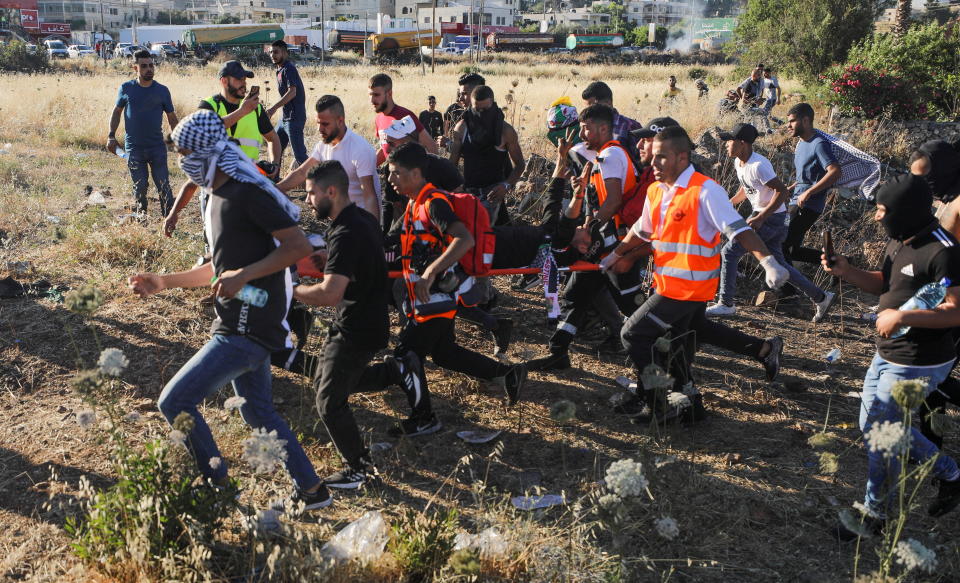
(719, 309)
(823, 306)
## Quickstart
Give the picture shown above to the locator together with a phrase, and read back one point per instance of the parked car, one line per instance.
(164, 51)
(80, 51)
(31, 48)
(126, 50)
(56, 49)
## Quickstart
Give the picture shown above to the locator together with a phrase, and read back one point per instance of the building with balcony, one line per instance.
(571, 18)
(491, 13)
(659, 12)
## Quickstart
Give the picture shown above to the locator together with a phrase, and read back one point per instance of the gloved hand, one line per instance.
(777, 275)
(608, 261)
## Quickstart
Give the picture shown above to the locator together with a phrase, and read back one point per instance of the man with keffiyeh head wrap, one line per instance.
(251, 229)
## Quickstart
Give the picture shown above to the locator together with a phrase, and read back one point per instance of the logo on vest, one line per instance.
(679, 216)
(907, 270)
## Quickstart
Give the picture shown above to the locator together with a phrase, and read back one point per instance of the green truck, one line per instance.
(233, 36)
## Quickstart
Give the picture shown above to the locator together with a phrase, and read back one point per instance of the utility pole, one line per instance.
(433, 38)
(323, 33)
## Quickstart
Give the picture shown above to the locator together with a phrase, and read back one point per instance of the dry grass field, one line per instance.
(751, 498)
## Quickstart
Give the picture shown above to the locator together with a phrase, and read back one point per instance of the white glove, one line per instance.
(608, 261)
(777, 275)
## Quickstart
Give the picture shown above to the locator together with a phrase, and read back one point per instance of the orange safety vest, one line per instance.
(685, 266)
(600, 186)
(417, 227)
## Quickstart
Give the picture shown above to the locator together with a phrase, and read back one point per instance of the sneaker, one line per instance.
(695, 412)
(513, 382)
(303, 499)
(719, 309)
(410, 375)
(823, 306)
(948, 497)
(771, 362)
(634, 408)
(502, 335)
(526, 282)
(415, 426)
(350, 478)
(556, 361)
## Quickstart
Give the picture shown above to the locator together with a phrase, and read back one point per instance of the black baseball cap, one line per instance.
(235, 69)
(741, 131)
(656, 125)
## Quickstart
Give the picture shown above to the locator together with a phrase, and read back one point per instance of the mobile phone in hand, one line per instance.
(828, 250)
(254, 91)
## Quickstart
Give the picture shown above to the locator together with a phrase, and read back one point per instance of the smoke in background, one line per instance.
(682, 43)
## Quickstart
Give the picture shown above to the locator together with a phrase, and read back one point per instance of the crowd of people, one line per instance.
(652, 245)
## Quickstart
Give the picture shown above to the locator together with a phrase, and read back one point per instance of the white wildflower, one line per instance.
(177, 437)
(625, 478)
(215, 463)
(234, 402)
(913, 555)
(667, 528)
(264, 450)
(890, 439)
(678, 400)
(86, 418)
(654, 377)
(112, 362)
(609, 500)
(662, 344)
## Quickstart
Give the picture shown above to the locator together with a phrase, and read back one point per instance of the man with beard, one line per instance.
(293, 102)
(919, 252)
(252, 232)
(600, 92)
(245, 118)
(355, 281)
(142, 103)
(356, 156)
(489, 146)
(432, 119)
(381, 97)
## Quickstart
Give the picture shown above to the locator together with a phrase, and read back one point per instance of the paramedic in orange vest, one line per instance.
(433, 239)
(613, 174)
(683, 217)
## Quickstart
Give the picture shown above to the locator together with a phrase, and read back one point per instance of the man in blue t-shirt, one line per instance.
(142, 102)
(292, 100)
(816, 172)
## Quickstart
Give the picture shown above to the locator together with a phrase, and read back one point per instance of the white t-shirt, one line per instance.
(358, 158)
(717, 215)
(754, 174)
(613, 164)
(770, 87)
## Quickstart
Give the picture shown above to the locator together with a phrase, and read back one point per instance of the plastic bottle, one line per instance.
(249, 294)
(119, 151)
(926, 298)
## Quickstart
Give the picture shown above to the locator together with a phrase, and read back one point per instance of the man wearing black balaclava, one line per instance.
(490, 149)
(914, 345)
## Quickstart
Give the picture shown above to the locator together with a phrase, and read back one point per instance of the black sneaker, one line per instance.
(302, 499)
(634, 408)
(695, 412)
(556, 361)
(414, 426)
(513, 382)
(350, 478)
(526, 282)
(948, 497)
(771, 362)
(411, 377)
(502, 335)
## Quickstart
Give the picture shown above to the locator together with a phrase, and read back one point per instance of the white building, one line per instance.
(488, 13)
(659, 12)
(572, 18)
(111, 14)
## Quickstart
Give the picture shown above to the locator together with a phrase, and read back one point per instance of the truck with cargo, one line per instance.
(519, 41)
(233, 36)
(579, 42)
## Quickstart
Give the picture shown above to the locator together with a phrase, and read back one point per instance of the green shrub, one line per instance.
(422, 543)
(14, 56)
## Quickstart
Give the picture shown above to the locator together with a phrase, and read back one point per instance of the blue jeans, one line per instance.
(772, 232)
(245, 364)
(878, 406)
(290, 132)
(144, 162)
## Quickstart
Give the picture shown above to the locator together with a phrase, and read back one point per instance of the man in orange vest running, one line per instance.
(432, 239)
(614, 174)
(683, 216)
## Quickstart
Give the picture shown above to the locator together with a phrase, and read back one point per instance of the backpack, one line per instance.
(471, 212)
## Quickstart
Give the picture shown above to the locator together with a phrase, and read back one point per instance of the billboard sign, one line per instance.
(30, 19)
(54, 28)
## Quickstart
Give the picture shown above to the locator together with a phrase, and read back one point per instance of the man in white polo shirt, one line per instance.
(354, 153)
(759, 184)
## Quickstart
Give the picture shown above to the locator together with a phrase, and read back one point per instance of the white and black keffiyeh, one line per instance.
(858, 169)
(204, 134)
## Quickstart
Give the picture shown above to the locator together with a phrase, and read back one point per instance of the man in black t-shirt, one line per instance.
(355, 281)
(432, 119)
(919, 252)
(253, 236)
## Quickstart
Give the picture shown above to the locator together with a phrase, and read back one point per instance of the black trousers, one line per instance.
(800, 222)
(342, 365)
(435, 338)
(659, 315)
(578, 297)
(947, 392)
